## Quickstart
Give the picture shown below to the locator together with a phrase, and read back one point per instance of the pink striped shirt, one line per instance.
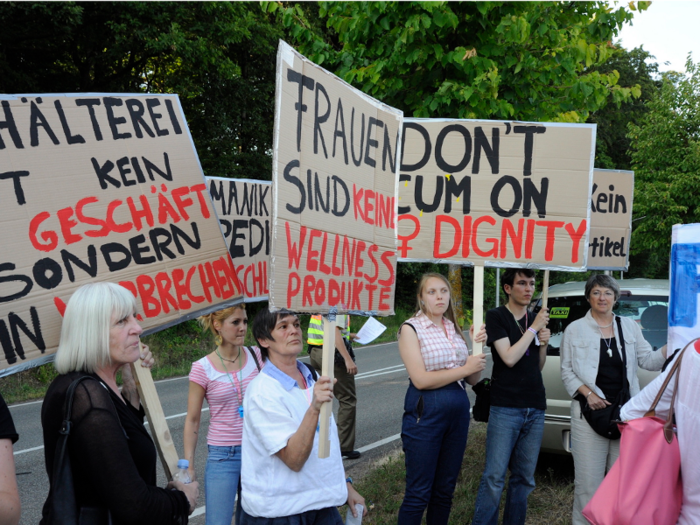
(225, 424)
(439, 351)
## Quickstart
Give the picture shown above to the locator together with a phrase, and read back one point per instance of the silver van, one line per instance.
(644, 300)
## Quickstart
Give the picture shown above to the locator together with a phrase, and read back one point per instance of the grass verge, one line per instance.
(549, 504)
(175, 349)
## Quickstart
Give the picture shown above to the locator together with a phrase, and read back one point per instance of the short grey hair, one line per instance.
(84, 343)
(604, 281)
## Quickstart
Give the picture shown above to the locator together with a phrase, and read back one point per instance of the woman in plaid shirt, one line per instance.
(436, 408)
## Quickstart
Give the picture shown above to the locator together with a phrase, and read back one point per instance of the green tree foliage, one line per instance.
(612, 143)
(498, 60)
(537, 61)
(666, 160)
(219, 57)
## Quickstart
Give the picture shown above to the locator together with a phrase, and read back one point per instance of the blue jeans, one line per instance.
(221, 483)
(513, 440)
(434, 433)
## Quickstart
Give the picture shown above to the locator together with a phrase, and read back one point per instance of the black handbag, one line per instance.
(64, 509)
(604, 421)
(339, 359)
(482, 404)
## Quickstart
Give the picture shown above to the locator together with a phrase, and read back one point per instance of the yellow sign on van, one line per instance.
(559, 312)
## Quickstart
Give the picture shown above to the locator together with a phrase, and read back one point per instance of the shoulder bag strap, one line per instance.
(314, 374)
(674, 369)
(255, 357)
(409, 324)
(64, 509)
(625, 382)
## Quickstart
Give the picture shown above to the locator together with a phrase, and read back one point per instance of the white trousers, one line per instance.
(594, 456)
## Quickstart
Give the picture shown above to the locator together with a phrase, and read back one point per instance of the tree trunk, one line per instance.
(455, 277)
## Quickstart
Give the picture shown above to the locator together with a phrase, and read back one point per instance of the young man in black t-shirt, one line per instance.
(518, 341)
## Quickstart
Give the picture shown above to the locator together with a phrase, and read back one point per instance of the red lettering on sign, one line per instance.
(294, 249)
(119, 228)
(144, 213)
(515, 237)
(357, 194)
(456, 234)
(550, 237)
(181, 290)
(293, 287)
(103, 231)
(576, 236)
(146, 288)
(493, 252)
(65, 219)
(49, 237)
(163, 284)
(323, 266)
(312, 257)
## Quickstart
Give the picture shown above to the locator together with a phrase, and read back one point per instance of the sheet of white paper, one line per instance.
(370, 331)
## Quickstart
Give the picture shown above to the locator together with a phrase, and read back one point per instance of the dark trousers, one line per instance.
(344, 392)
(327, 516)
(434, 434)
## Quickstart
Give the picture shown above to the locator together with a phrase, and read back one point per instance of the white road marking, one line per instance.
(379, 443)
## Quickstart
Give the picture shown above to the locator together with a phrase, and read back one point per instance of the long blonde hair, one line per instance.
(207, 321)
(450, 312)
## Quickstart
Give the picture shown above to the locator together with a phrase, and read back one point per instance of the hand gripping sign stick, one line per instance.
(156, 417)
(324, 442)
(478, 317)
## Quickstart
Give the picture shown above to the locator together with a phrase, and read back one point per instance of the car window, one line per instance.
(649, 311)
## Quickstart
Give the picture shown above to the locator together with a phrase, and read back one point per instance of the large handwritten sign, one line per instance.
(334, 193)
(684, 300)
(244, 209)
(611, 220)
(100, 187)
(496, 193)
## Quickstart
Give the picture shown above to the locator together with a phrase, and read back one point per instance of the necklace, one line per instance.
(607, 342)
(606, 326)
(229, 360)
(522, 332)
(239, 390)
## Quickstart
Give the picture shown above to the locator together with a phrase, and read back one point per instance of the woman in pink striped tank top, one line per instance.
(221, 378)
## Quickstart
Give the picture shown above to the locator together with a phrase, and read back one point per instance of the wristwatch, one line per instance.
(348, 480)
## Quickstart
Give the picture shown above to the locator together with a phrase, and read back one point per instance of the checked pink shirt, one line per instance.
(439, 351)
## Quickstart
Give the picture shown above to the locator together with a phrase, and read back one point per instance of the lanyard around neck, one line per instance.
(239, 390)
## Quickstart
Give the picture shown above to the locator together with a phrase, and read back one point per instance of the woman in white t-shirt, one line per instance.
(221, 377)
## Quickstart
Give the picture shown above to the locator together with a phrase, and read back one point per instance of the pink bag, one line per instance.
(644, 485)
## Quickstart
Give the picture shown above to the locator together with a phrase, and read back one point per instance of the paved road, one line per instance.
(381, 385)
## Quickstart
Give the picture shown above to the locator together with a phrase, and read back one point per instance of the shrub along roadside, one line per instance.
(175, 349)
(549, 504)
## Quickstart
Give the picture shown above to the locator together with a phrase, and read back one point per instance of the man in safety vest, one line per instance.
(344, 370)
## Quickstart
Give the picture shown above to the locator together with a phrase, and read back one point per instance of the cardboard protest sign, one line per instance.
(244, 208)
(334, 193)
(101, 187)
(684, 299)
(503, 194)
(611, 220)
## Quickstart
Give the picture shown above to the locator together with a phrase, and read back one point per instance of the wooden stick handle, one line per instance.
(478, 317)
(545, 289)
(156, 417)
(328, 360)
